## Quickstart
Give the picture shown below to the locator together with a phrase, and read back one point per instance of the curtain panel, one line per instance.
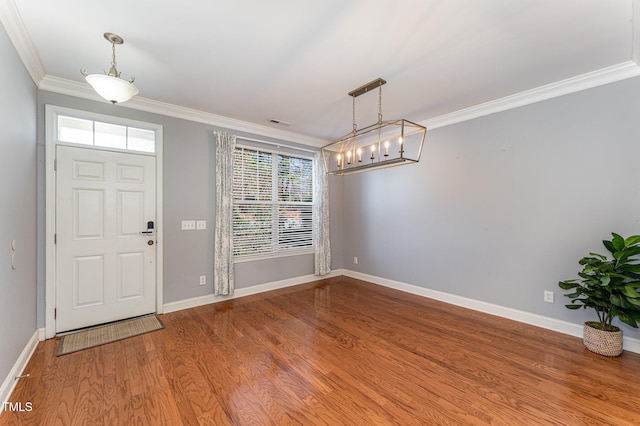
(322, 258)
(223, 238)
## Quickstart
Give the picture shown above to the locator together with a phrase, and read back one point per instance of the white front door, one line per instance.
(105, 262)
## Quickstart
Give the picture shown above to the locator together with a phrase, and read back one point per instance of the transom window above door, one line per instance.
(104, 134)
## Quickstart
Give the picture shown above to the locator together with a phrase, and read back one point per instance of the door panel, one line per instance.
(130, 275)
(130, 213)
(105, 266)
(88, 214)
(88, 281)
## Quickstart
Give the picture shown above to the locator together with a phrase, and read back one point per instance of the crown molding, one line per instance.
(13, 25)
(82, 90)
(564, 87)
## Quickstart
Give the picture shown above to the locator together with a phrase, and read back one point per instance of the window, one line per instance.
(272, 203)
(105, 135)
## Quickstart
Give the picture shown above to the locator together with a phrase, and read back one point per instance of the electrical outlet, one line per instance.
(188, 225)
(201, 224)
(355, 260)
(203, 279)
(548, 296)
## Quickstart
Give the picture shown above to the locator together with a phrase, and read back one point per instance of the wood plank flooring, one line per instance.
(333, 352)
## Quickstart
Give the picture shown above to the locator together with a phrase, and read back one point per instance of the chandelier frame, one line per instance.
(380, 145)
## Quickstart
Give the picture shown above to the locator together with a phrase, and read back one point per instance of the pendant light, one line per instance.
(380, 145)
(109, 85)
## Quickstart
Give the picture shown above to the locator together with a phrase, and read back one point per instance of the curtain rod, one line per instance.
(273, 143)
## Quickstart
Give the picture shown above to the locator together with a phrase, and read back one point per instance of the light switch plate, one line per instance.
(201, 224)
(188, 225)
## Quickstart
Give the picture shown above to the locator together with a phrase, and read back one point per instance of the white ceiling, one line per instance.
(295, 61)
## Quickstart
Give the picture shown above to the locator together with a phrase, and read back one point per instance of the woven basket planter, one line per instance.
(607, 343)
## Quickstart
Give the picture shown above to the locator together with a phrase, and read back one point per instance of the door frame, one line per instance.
(51, 113)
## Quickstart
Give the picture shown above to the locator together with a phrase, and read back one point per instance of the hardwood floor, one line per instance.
(333, 352)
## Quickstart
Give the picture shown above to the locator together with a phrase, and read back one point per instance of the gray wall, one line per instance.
(502, 207)
(189, 193)
(17, 206)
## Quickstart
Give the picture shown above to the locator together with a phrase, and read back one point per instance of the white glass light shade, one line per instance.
(384, 144)
(111, 88)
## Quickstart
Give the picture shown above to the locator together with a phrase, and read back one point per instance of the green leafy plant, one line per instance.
(610, 286)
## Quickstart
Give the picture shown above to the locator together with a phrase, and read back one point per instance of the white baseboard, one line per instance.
(18, 368)
(241, 292)
(630, 344)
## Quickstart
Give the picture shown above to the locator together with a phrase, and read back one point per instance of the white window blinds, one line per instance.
(273, 202)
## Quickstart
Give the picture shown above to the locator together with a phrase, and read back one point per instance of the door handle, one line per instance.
(149, 230)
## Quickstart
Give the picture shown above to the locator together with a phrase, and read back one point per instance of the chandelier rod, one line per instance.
(380, 103)
(378, 82)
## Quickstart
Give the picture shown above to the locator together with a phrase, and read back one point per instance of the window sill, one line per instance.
(265, 256)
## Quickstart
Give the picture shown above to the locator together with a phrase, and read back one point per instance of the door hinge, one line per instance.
(55, 165)
(55, 238)
(55, 313)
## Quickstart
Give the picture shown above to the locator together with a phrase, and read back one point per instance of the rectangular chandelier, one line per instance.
(380, 145)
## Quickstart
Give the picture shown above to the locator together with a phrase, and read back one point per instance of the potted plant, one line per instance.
(610, 286)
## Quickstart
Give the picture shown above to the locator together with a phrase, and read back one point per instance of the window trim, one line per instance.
(278, 254)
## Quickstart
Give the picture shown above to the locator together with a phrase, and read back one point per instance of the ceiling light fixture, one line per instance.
(380, 145)
(109, 85)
